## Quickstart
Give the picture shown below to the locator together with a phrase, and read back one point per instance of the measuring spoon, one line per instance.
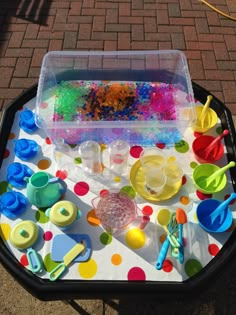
(181, 218)
(163, 218)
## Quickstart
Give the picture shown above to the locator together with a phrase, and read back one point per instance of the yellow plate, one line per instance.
(137, 181)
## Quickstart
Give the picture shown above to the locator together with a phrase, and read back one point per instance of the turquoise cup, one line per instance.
(43, 190)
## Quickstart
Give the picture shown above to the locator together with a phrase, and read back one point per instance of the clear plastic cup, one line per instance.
(90, 153)
(174, 173)
(153, 161)
(119, 153)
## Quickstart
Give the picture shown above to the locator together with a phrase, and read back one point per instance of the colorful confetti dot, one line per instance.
(47, 236)
(160, 145)
(41, 217)
(135, 238)
(192, 267)
(11, 136)
(5, 231)
(184, 200)
(81, 188)
(6, 154)
(44, 164)
(48, 140)
(182, 146)
(135, 151)
(184, 180)
(167, 265)
(116, 259)
(88, 270)
(213, 249)
(193, 165)
(147, 210)
(61, 174)
(49, 264)
(105, 238)
(162, 238)
(129, 191)
(203, 196)
(24, 260)
(136, 274)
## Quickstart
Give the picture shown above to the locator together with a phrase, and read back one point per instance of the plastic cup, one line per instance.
(174, 173)
(203, 211)
(119, 153)
(200, 144)
(153, 161)
(201, 172)
(90, 153)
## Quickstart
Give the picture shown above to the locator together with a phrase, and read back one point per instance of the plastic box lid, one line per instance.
(91, 94)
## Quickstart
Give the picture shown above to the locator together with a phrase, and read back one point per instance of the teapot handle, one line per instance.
(61, 182)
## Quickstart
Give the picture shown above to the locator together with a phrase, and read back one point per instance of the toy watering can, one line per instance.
(43, 190)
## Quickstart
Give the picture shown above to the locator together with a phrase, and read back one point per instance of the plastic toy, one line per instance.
(208, 149)
(181, 218)
(210, 178)
(67, 259)
(63, 214)
(25, 149)
(43, 190)
(219, 211)
(13, 204)
(23, 236)
(115, 210)
(90, 152)
(204, 210)
(27, 121)
(16, 172)
(206, 117)
(63, 243)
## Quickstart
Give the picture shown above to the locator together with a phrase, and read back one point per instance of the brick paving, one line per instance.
(31, 28)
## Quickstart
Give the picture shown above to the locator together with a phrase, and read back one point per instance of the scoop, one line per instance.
(181, 218)
(163, 218)
(207, 181)
(214, 145)
(205, 110)
(162, 254)
(219, 211)
(67, 259)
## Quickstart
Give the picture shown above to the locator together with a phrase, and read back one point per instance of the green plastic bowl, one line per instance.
(203, 171)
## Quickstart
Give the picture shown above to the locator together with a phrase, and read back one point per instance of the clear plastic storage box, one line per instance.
(143, 97)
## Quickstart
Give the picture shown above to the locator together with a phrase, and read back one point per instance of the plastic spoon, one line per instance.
(205, 109)
(162, 254)
(207, 181)
(181, 218)
(219, 211)
(214, 145)
(67, 259)
(163, 218)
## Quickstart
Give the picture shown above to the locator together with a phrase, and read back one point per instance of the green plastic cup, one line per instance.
(202, 172)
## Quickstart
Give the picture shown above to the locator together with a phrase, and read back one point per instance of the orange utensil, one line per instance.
(181, 218)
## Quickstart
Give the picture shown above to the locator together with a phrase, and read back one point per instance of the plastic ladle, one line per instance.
(163, 218)
(214, 145)
(219, 211)
(207, 181)
(205, 109)
(181, 218)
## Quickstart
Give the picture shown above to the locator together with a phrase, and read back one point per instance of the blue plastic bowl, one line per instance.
(205, 208)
